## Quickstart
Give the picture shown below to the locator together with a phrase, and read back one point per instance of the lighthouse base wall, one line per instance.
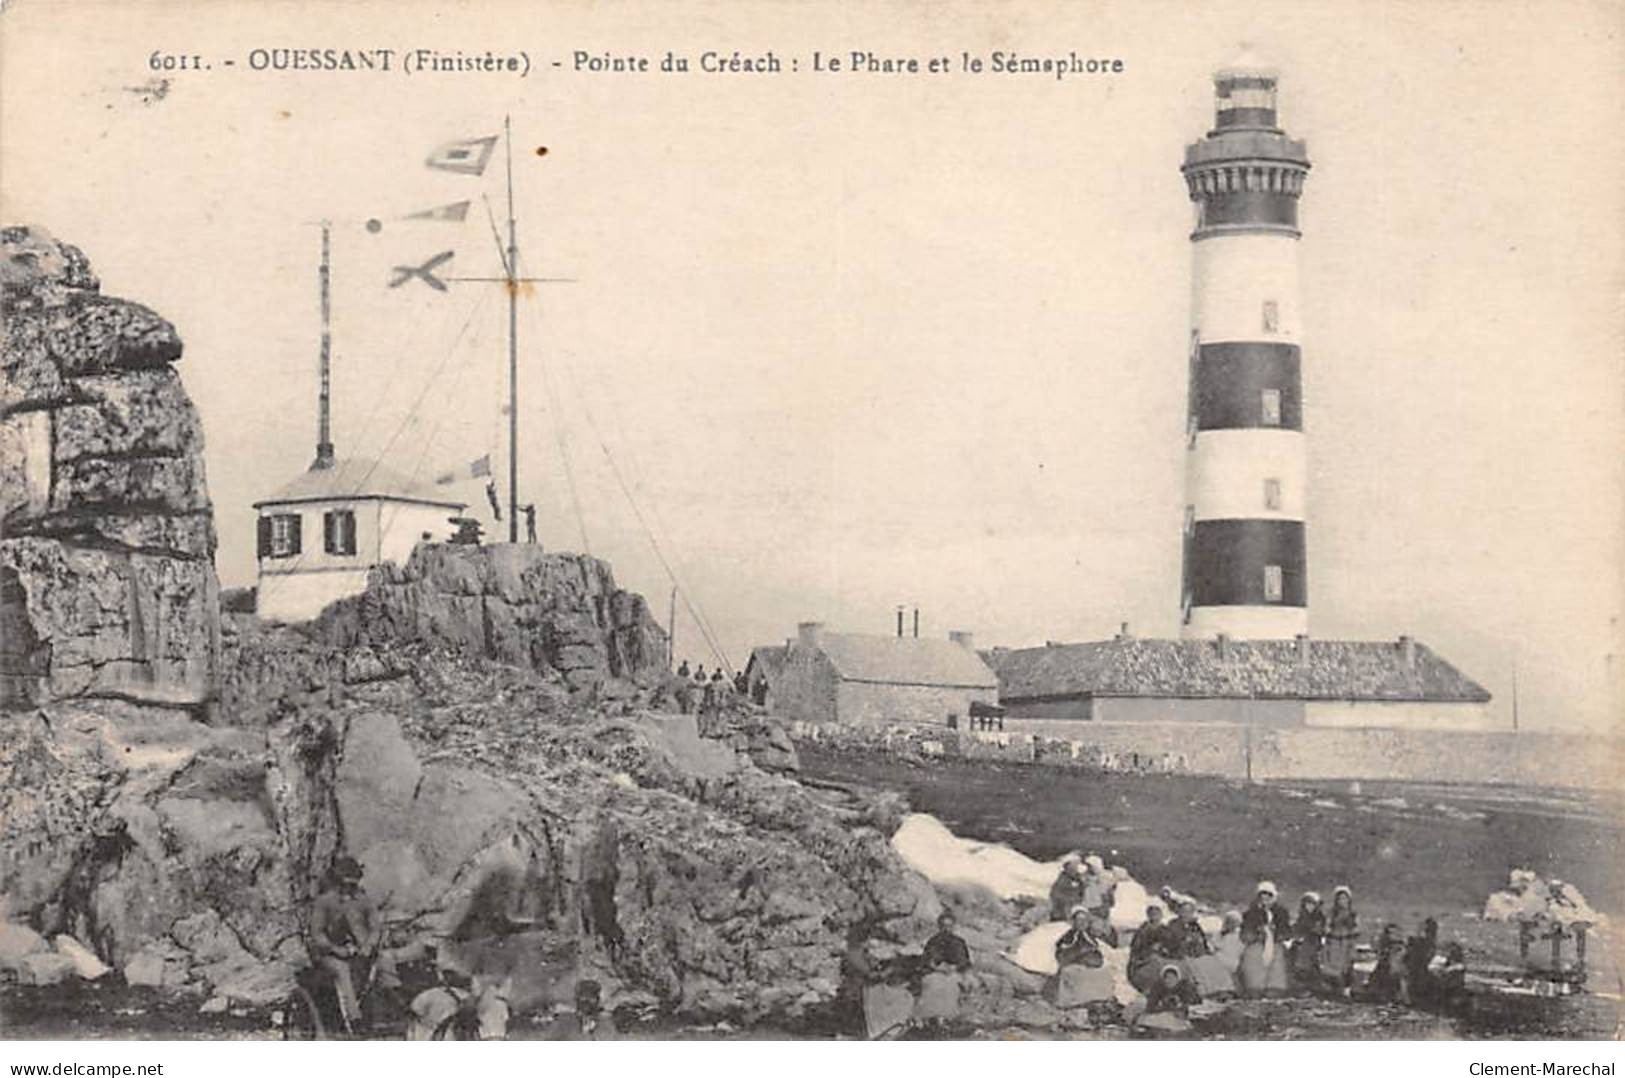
(1246, 622)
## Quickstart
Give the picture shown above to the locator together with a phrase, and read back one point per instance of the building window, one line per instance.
(1272, 583)
(279, 535)
(1190, 520)
(1192, 426)
(1272, 317)
(338, 531)
(1272, 494)
(1270, 407)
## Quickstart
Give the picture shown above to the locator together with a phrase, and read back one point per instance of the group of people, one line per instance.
(708, 693)
(349, 946)
(1264, 950)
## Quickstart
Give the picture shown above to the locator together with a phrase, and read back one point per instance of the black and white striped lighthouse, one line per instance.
(1245, 573)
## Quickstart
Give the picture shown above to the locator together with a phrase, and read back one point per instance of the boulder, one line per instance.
(18, 942)
(43, 970)
(85, 962)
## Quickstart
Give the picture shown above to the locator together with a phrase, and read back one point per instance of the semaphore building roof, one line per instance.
(357, 477)
(1383, 670)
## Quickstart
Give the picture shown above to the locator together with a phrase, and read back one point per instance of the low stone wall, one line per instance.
(1233, 751)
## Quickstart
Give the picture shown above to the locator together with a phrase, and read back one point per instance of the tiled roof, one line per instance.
(1333, 670)
(906, 660)
(357, 478)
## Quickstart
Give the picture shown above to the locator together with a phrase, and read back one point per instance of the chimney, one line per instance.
(1407, 650)
(1123, 633)
(809, 634)
(1223, 641)
(916, 623)
(966, 640)
(899, 623)
(1303, 649)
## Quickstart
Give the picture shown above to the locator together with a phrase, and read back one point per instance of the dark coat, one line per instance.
(1255, 917)
(1077, 947)
(945, 949)
(1177, 999)
(1311, 925)
(1185, 939)
(1064, 893)
(1150, 941)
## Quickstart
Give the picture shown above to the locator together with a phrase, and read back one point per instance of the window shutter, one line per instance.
(329, 529)
(264, 545)
(347, 532)
(295, 522)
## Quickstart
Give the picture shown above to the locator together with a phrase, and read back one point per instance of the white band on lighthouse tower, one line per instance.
(1245, 565)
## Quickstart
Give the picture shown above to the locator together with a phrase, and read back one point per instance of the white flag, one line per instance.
(467, 156)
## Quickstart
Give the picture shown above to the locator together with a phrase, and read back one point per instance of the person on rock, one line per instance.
(683, 670)
(1308, 940)
(1081, 979)
(1342, 937)
(1147, 951)
(944, 958)
(1265, 929)
(343, 932)
(1168, 1004)
(1099, 888)
(1067, 890)
(586, 1022)
(1187, 940)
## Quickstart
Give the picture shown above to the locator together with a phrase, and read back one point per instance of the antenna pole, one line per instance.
(671, 630)
(513, 348)
(324, 430)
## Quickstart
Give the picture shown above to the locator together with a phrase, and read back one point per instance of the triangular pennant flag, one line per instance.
(455, 211)
(467, 156)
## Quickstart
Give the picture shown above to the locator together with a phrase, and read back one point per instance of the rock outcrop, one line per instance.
(512, 603)
(107, 582)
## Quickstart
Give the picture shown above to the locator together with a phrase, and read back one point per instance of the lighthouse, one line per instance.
(1245, 571)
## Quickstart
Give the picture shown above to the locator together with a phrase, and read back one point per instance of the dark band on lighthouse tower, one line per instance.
(1245, 571)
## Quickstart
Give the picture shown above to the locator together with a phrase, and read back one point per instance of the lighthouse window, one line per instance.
(338, 531)
(1272, 317)
(1270, 406)
(1272, 494)
(1190, 520)
(1272, 583)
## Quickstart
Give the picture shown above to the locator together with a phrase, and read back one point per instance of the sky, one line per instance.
(857, 340)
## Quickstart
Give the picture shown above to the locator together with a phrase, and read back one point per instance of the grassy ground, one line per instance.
(1408, 850)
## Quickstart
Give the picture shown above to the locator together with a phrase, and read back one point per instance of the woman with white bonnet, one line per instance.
(1342, 936)
(1265, 930)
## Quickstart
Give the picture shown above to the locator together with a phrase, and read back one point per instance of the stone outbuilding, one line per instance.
(854, 678)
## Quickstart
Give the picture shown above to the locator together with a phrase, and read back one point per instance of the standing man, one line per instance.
(343, 927)
(530, 523)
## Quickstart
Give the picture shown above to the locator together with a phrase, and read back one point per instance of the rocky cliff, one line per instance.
(107, 582)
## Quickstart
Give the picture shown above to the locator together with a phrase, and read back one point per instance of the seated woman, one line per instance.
(1204, 972)
(1265, 928)
(1146, 952)
(1082, 978)
(944, 958)
(1168, 1004)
